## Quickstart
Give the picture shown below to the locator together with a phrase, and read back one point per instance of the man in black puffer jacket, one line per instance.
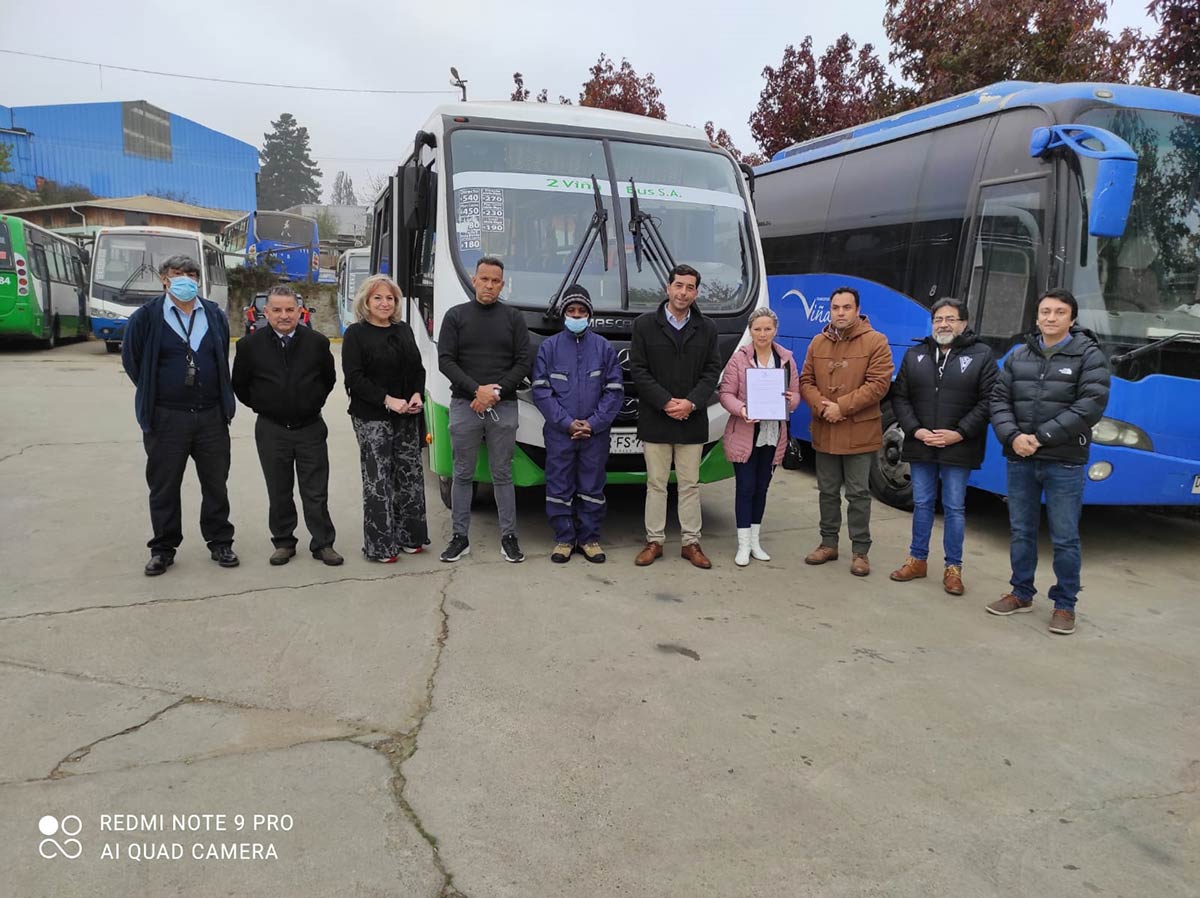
(1052, 391)
(941, 401)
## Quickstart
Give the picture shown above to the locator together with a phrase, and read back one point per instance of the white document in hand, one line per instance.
(765, 399)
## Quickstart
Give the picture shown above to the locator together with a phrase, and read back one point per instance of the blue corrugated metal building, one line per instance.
(128, 149)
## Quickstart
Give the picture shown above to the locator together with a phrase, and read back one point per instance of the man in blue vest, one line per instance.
(577, 388)
(176, 351)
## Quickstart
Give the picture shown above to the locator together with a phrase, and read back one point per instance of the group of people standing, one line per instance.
(1042, 403)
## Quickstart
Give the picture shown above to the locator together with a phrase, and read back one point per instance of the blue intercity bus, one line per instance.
(286, 243)
(995, 196)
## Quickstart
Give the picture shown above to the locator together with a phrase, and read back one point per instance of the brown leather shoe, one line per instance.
(821, 554)
(1062, 622)
(648, 554)
(1009, 604)
(695, 555)
(912, 569)
(952, 580)
(860, 567)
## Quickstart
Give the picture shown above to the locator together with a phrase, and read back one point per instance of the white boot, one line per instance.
(756, 548)
(742, 558)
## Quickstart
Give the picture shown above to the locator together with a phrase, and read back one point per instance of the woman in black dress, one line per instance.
(386, 382)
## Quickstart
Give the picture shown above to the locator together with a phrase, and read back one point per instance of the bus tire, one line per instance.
(112, 347)
(891, 478)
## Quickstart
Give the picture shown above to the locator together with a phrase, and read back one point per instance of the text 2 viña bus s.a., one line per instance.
(994, 197)
(125, 264)
(566, 194)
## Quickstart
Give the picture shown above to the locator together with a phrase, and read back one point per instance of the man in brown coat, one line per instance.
(846, 373)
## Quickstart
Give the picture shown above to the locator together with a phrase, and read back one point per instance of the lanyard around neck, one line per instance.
(191, 323)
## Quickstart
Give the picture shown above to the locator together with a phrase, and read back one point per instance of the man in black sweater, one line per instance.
(285, 373)
(483, 350)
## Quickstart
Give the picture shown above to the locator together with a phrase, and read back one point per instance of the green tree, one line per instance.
(327, 225)
(289, 177)
(5, 155)
(343, 190)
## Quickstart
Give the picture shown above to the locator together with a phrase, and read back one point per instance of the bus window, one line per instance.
(871, 214)
(6, 253)
(1004, 272)
(942, 201)
(37, 263)
(792, 217)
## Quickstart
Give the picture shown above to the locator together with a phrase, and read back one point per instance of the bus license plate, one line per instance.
(1195, 483)
(629, 444)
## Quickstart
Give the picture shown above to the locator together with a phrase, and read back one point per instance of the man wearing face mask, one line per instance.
(941, 399)
(577, 388)
(176, 351)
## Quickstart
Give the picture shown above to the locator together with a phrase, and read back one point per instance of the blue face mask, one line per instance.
(576, 325)
(183, 288)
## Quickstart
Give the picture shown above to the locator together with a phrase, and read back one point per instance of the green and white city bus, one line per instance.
(43, 284)
(566, 194)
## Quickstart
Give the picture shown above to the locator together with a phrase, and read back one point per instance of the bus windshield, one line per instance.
(1144, 284)
(131, 261)
(528, 199)
(280, 228)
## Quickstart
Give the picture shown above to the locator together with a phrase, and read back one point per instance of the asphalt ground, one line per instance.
(490, 729)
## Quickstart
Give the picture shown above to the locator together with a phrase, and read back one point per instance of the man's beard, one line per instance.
(944, 339)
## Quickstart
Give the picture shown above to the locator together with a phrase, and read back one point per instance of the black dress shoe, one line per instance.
(158, 564)
(225, 556)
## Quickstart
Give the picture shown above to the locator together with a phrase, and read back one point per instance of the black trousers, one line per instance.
(287, 456)
(176, 436)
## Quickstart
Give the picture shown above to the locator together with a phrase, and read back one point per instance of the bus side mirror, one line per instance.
(748, 174)
(1116, 171)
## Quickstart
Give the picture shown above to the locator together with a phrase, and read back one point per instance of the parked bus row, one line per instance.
(994, 196)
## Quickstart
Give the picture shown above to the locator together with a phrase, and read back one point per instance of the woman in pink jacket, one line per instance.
(755, 447)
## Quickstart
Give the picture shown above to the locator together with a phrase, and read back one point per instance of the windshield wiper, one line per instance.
(145, 266)
(1150, 347)
(650, 244)
(597, 228)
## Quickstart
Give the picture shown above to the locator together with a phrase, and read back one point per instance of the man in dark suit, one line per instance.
(176, 351)
(285, 373)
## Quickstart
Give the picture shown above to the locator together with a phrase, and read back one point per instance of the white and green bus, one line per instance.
(125, 263)
(566, 194)
(352, 266)
(43, 284)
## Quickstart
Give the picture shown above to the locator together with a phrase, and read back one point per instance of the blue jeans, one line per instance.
(752, 479)
(925, 476)
(1062, 484)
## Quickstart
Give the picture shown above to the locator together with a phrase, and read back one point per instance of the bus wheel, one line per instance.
(112, 347)
(891, 479)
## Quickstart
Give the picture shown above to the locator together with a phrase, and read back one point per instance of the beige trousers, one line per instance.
(687, 476)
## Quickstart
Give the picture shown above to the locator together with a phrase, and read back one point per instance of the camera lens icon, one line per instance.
(69, 826)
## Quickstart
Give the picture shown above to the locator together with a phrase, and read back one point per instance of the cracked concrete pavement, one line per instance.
(487, 729)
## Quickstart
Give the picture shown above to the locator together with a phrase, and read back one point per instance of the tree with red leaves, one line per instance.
(622, 89)
(721, 138)
(948, 47)
(1172, 56)
(804, 98)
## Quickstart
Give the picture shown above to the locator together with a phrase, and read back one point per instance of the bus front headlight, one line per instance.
(1111, 432)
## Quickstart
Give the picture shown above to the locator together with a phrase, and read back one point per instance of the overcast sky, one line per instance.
(706, 57)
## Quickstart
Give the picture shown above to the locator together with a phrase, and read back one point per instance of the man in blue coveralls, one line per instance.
(577, 388)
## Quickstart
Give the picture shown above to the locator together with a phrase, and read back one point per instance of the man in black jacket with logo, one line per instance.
(675, 364)
(1052, 391)
(285, 373)
(941, 400)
